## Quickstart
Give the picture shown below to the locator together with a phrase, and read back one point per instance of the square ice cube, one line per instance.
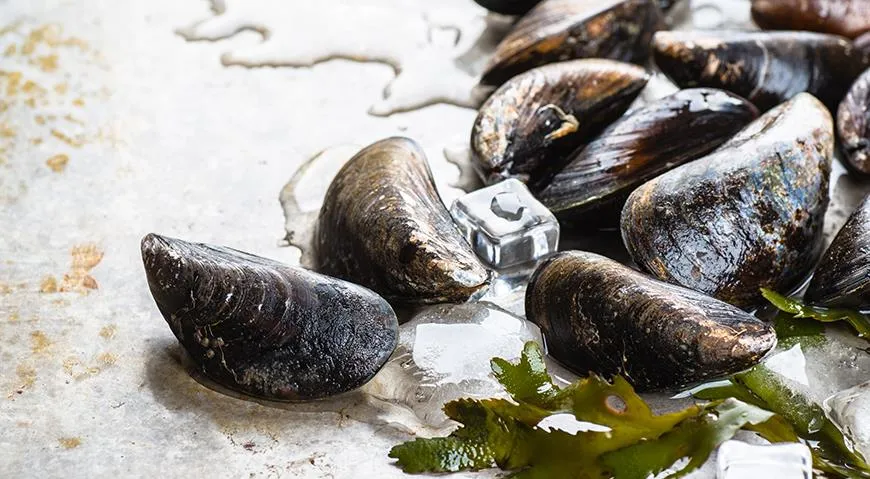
(506, 225)
(739, 460)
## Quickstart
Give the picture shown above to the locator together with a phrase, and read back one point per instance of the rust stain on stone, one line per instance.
(57, 163)
(69, 442)
(84, 258)
(39, 342)
(108, 332)
(26, 379)
(107, 358)
(48, 285)
(74, 367)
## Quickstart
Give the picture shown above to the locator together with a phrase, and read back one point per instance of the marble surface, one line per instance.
(113, 125)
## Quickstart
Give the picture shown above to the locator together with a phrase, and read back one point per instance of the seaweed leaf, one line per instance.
(637, 443)
(799, 309)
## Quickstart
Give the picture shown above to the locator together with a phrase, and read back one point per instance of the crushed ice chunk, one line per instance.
(849, 410)
(738, 460)
(506, 225)
(444, 354)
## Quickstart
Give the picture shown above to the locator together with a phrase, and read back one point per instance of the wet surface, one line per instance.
(159, 135)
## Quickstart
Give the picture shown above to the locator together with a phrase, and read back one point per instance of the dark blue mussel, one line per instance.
(266, 329)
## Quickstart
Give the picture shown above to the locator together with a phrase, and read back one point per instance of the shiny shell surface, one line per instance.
(601, 316)
(382, 225)
(530, 125)
(642, 145)
(849, 18)
(842, 278)
(853, 125)
(508, 7)
(747, 216)
(266, 329)
(767, 68)
(560, 30)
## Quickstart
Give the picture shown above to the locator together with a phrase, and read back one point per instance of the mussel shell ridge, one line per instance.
(766, 68)
(641, 145)
(601, 316)
(523, 130)
(383, 225)
(842, 278)
(559, 30)
(853, 125)
(266, 329)
(747, 216)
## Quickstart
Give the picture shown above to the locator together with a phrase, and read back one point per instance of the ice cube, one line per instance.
(506, 225)
(849, 410)
(738, 460)
(444, 354)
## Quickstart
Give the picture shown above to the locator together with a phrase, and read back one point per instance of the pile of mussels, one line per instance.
(719, 190)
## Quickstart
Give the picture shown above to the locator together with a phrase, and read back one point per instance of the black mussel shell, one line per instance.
(862, 43)
(642, 145)
(747, 216)
(601, 316)
(766, 68)
(508, 7)
(849, 18)
(666, 5)
(842, 279)
(853, 125)
(383, 225)
(266, 329)
(559, 30)
(530, 125)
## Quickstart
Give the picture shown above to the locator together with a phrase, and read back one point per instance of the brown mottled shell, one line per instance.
(266, 329)
(849, 18)
(642, 145)
(601, 316)
(745, 217)
(525, 129)
(559, 30)
(842, 279)
(853, 125)
(383, 225)
(767, 68)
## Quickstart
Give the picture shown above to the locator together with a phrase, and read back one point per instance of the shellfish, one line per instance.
(853, 125)
(766, 68)
(842, 278)
(559, 30)
(383, 225)
(508, 7)
(849, 18)
(599, 315)
(530, 125)
(266, 329)
(641, 145)
(747, 216)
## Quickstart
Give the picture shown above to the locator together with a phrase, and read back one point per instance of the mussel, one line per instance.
(842, 278)
(266, 329)
(383, 225)
(601, 316)
(747, 216)
(849, 18)
(767, 68)
(641, 145)
(530, 125)
(559, 30)
(508, 7)
(853, 125)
